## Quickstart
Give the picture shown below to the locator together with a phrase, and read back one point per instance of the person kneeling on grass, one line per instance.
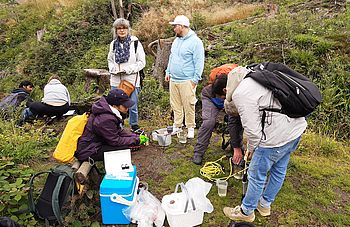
(104, 130)
(56, 101)
(213, 97)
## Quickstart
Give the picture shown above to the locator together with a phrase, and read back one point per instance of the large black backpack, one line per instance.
(297, 94)
(58, 187)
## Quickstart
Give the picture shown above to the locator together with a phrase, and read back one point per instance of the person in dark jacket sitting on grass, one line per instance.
(104, 130)
(17, 96)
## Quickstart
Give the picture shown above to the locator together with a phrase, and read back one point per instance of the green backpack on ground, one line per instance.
(59, 186)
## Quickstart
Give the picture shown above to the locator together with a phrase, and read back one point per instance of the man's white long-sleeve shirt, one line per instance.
(250, 97)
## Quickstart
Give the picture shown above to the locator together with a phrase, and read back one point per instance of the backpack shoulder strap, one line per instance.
(136, 43)
(55, 201)
(31, 204)
(63, 171)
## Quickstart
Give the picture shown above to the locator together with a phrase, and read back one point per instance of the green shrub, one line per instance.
(198, 21)
(14, 191)
(154, 102)
(23, 145)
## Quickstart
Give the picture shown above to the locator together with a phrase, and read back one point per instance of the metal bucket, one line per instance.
(164, 139)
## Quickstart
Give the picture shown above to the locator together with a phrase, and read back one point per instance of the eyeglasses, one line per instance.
(121, 28)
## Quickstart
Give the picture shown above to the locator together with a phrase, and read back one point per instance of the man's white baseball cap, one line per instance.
(181, 20)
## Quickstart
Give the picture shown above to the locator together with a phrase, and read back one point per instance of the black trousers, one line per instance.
(40, 109)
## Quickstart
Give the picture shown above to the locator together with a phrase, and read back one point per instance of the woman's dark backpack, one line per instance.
(58, 187)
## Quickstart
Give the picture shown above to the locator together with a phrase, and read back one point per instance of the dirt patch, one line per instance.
(150, 161)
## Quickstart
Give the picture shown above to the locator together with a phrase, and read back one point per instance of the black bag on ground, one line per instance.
(8, 222)
(297, 94)
(58, 187)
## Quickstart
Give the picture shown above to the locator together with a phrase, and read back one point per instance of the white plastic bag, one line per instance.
(146, 211)
(199, 189)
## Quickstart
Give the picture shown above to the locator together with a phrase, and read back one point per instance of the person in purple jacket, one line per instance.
(104, 130)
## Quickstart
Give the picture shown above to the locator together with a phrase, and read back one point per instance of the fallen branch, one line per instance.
(82, 173)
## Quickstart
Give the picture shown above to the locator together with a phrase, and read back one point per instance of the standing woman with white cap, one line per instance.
(185, 68)
(126, 58)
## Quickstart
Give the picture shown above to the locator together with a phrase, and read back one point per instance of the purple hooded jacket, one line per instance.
(103, 128)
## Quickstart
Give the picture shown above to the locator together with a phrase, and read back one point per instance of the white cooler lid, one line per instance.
(115, 160)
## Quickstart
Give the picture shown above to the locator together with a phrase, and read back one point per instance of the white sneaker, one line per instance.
(175, 130)
(190, 133)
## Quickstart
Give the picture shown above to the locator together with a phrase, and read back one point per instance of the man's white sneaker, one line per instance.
(175, 130)
(190, 133)
(264, 211)
(237, 215)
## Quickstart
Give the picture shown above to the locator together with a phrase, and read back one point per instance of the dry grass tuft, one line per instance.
(154, 23)
(46, 5)
(216, 15)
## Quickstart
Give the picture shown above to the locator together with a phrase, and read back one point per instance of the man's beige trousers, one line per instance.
(183, 100)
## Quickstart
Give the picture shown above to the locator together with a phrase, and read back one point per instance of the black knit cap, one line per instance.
(119, 97)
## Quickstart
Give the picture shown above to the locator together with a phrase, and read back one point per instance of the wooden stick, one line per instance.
(82, 173)
(76, 165)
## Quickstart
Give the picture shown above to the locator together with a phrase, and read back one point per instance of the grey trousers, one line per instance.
(209, 116)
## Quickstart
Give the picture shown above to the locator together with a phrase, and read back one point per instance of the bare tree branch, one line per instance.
(114, 11)
(121, 9)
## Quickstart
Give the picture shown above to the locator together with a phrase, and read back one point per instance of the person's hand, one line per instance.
(193, 84)
(167, 78)
(237, 155)
(118, 72)
(249, 155)
(143, 139)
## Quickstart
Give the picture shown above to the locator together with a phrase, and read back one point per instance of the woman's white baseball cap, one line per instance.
(181, 20)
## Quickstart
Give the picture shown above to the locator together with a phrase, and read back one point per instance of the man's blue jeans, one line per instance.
(273, 160)
(27, 114)
(133, 111)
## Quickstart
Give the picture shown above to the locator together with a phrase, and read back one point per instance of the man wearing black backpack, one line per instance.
(17, 96)
(270, 141)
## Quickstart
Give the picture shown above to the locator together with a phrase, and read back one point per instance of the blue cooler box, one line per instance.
(116, 195)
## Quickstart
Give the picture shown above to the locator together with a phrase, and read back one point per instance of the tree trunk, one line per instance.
(121, 9)
(97, 77)
(114, 11)
(162, 58)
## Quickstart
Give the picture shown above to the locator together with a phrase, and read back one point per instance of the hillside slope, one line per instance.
(310, 36)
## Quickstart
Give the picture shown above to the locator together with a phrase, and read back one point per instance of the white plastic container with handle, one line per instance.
(180, 208)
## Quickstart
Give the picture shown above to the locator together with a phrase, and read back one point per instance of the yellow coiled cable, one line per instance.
(212, 169)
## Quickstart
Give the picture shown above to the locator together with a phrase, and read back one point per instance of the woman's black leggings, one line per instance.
(99, 156)
(40, 109)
